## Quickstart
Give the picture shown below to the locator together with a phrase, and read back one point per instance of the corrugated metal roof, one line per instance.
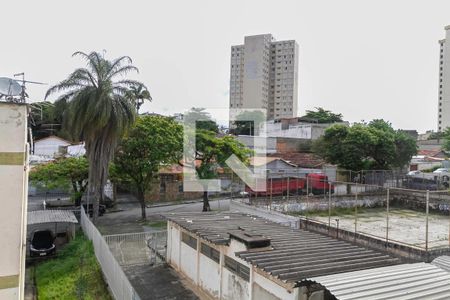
(295, 254)
(442, 262)
(401, 282)
(51, 216)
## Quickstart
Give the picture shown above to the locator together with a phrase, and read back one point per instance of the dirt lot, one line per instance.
(406, 226)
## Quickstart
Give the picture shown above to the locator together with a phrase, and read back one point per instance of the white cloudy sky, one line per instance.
(365, 59)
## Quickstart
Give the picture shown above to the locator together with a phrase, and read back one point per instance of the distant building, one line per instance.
(295, 128)
(444, 82)
(50, 146)
(264, 75)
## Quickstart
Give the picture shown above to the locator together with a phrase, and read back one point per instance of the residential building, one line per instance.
(264, 75)
(444, 82)
(50, 146)
(13, 196)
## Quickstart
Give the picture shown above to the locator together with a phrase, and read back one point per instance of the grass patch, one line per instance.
(74, 274)
(156, 224)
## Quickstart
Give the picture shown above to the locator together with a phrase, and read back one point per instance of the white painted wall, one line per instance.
(13, 196)
(188, 262)
(209, 275)
(49, 146)
(215, 279)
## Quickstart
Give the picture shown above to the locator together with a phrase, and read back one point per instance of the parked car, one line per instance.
(101, 209)
(42, 243)
(416, 172)
(440, 171)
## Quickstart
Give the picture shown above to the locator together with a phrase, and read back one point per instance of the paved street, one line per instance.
(127, 217)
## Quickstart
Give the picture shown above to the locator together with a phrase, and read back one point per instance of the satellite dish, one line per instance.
(9, 87)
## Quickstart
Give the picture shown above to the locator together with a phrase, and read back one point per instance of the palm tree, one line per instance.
(138, 94)
(98, 112)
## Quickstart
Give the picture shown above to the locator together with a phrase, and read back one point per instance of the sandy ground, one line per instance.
(405, 226)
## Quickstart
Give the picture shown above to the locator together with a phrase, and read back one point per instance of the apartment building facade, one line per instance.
(444, 82)
(264, 75)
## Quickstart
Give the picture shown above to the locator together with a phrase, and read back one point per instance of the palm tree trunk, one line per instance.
(206, 206)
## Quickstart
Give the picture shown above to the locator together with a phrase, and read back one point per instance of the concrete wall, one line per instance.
(214, 279)
(13, 193)
(49, 146)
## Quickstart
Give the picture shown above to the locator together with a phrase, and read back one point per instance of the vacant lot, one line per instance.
(406, 226)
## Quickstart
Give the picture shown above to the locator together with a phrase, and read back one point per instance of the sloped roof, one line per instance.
(295, 254)
(53, 137)
(51, 216)
(304, 160)
(407, 281)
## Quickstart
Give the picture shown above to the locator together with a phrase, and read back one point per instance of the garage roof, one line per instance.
(401, 282)
(51, 216)
(294, 255)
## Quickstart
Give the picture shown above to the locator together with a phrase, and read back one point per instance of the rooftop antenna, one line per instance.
(23, 94)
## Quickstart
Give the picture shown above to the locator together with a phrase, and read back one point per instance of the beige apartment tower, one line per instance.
(444, 82)
(264, 74)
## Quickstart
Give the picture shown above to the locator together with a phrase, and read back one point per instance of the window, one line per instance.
(189, 240)
(237, 268)
(210, 252)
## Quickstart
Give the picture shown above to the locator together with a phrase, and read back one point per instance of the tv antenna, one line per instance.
(14, 90)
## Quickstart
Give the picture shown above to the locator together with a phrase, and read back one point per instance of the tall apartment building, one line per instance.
(264, 74)
(444, 82)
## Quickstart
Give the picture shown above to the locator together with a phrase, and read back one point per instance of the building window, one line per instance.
(237, 268)
(210, 252)
(189, 240)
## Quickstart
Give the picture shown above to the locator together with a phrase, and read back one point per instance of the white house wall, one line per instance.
(49, 147)
(209, 276)
(215, 279)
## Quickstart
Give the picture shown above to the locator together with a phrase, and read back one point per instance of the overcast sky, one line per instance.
(364, 59)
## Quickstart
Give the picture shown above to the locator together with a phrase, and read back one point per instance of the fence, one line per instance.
(115, 277)
(138, 248)
(414, 218)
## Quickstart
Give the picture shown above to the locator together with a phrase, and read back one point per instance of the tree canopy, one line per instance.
(201, 118)
(152, 143)
(98, 111)
(446, 136)
(68, 173)
(248, 122)
(375, 145)
(320, 115)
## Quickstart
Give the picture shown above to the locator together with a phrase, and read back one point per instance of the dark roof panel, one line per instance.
(294, 255)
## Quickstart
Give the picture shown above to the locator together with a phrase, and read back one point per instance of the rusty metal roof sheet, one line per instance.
(295, 254)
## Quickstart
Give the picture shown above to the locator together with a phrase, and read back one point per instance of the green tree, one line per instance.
(366, 146)
(153, 142)
(138, 94)
(98, 112)
(201, 118)
(212, 152)
(320, 115)
(446, 136)
(69, 172)
(248, 122)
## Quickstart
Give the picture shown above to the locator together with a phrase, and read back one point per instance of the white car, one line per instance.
(416, 172)
(440, 171)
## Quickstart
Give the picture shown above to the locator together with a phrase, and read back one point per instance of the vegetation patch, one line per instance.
(74, 274)
(156, 224)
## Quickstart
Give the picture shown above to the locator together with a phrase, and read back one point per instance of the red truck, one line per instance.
(317, 184)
